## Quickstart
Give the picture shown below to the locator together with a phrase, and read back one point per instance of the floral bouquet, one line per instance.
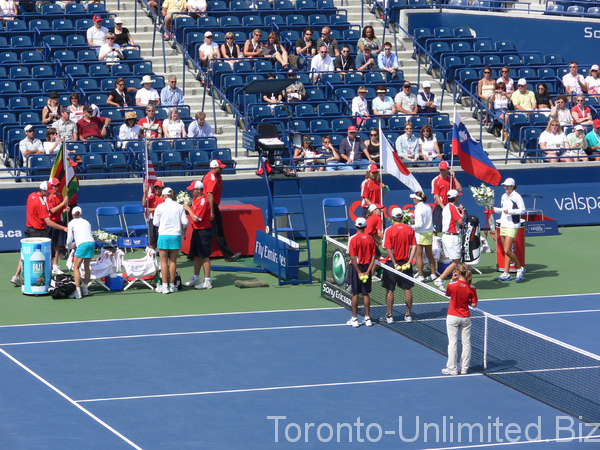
(484, 196)
(408, 217)
(183, 198)
(104, 237)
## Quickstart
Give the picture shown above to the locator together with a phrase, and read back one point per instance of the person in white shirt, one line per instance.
(423, 234)
(407, 145)
(406, 101)
(553, 141)
(8, 8)
(96, 35)
(170, 218)
(130, 130)
(427, 100)
(388, 61)
(200, 128)
(359, 104)
(79, 233)
(208, 51)
(198, 8)
(573, 82)
(147, 93)
(110, 52)
(173, 126)
(592, 81)
(321, 63)
(53, 142)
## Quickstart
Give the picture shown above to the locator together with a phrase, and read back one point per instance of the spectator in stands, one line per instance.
(28, 5)
(149, 125)
(368, 37)
(51, 111)
(200, 128)
(306, 45)
(330, 157)
(272, 98)
(592, 140)
(523, 99)
(553, 141)
(344, 63)
(153, 4)
(65, 127)
(295, 92)
(498, 103)
(366, 60)
(543, 99)
(388, 61)
(276, 50)
(75, 108)
(92, 127)
(426, 100)
(508, 81)
(96, 35)
(147, 93)
(8, 10)
(122, 35)
(329, 42)
(577, 144)
(169, 7)
(118, 96)
(360, 106)
(321, 63)
(407, 145)
(352, 150)
(130, 130)
(253, 46)
(573, 82)
(429, 150)
(208, 51)
(173, 126)
(53, 142)
(30, 145)
(592, 81)
(197, 8)
(561, 112)
(304, 155)
(230, 51)
(485, 88)
(582, 115)
(110, 52)
(406, 101)
(383, 104)
(373, 145)
(171, 95)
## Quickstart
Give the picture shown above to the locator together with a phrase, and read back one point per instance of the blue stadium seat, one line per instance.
(347, 93)
(315, 94)
(8, 57)
(319, 126)
(8, 87)
(303, 110)
(505, 46)
(160, 146)
(511, 60)
(184, 145)
(41, 166)
(263, 66)
(492, 60)
(172, 162)
(52, 40)
(67, 56)
(459, 32)
(120, 70)
(527, 72)
(117, 163)
(217, 5)
(76, 40)
(252, 21)
(593, 11)
(75, 9)
(283, 4)
(462, 47)
(29, 86)
(51, 9)
(199, 160)
(553, 59)
(38, 102)
(443, 32)
(100, 147)
(16, 25)
(546, 73)
(396, 123)
(473, 61)
(18, 72)
(318, 20)
(554, 9)
(328, 109)
(273, 19)
(331, 77)
(224, 155)
(419, 122)
(229, 22)
(84, 24)
(483, 46)
(532, 60)
(96, 8)
(98, 70)
(92, 165)
(354, 78)
(340, 125)
(441, 122)
(296, 20)
(39, 24)
(54, 85)
(206, 143)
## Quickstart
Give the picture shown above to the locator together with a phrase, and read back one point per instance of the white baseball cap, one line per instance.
(361, 222)
(509, 182)
(195, 185)
(216, 163)
(397, 213)
(167, 191)
(44, 186)
(426, 84)
(117, 20)
(452, 193)
(522, 82)
(578, 127)
(77, 210)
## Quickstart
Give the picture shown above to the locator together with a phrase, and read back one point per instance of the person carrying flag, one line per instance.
(57, 205)
(440, 186)
(370, 189)
(453, 217)
(150, 202)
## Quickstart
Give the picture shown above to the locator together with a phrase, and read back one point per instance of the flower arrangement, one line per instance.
(104, 237)
(484, 195)
(183, 198)
(408, 217)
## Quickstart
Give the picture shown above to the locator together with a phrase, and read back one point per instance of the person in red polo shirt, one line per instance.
(213, 186)
(440, 186)
(400, 242)
(453, 217)
(361, 248)
(462, 295)
(370, 189)
(38, 218)
(150, 202)
(375, 225)
(201, 236)
(92, 127)
(57, 205)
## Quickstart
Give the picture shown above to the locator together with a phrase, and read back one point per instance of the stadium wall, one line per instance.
(571, 195)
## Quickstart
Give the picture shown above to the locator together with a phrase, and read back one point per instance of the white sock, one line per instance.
(207, 279)
(195, 277)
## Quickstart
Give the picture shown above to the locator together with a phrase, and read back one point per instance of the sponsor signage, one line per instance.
(269, 257)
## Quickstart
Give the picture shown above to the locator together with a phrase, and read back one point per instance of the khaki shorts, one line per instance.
(424, 238)
(509, 232)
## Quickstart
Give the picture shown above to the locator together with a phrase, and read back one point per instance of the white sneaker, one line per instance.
(56, 270)
(408, 318)
(389, 319)
(504, 277)
(446, 371)
(16, 281)
(520, 273)
(375, 278)
(194, 281)
(440, 284)
(205, 285)
(420, 278)
(75, 294)
(162, 289)
(431, 277)
(84, 290)
(353, 322)
(464, 371)
(367, 321)
(172, 288)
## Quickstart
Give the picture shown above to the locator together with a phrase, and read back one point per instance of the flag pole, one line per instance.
(380, 167)
(452, 153)
(146, 156)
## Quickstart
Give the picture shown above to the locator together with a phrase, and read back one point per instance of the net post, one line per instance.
(485, 341)
(323, 254)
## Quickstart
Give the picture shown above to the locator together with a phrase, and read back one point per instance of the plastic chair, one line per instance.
(134, 212)
(282, 215)
(335, 203)
(533, 209)
(111, 213)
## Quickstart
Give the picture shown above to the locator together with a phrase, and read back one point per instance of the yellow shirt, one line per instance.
(173, 6)
(525, 101)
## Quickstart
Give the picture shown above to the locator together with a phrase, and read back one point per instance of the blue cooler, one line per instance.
(36, 265)
(114, 282)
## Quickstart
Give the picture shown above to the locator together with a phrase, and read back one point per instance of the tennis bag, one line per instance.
(61, 286)
(471, 241)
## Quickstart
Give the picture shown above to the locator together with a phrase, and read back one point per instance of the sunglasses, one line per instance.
(110, 39)
(387, 48)
(487, 71)
(406, 87)
(227, 39)
(307, 34)
(505, 71)
(373, 134)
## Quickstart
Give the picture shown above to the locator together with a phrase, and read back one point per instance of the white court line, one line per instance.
(558, 369)
(69, 399)
(181, 333)
(277, 388)
(549, 313)
(535, 297)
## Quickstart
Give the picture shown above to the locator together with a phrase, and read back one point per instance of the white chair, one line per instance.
(534, 209)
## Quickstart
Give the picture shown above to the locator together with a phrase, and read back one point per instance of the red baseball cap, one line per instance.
(54, 181)
(373, 168)
(351, 128)
(195, 185)
(443, 165)
(597, 123)
(159, 183)
(97, 18)
(216, 163)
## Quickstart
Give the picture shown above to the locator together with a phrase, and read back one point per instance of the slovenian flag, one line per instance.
(393, 165)
(472, 157)
(63, 170)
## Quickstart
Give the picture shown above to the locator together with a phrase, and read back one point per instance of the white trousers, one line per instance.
(453, 325)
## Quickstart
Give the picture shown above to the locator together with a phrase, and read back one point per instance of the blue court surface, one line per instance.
(271, 380)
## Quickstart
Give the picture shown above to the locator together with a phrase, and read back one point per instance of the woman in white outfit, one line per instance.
(80, 232)
(423, 234)
(174, 127)
(170, 219)
(510, 220)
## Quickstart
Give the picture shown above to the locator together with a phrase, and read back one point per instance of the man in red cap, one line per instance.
(370, 189)
(150, 202)
(440, 186)
(351, 151)
(38, 218)
(213, 186)
(57, 205)
(201, 235)
(593, 142)
(96, 35)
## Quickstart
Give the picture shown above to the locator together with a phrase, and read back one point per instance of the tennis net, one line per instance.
(558, 374)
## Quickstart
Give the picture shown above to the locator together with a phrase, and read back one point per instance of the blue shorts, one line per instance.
(168, 242)
(85, 250)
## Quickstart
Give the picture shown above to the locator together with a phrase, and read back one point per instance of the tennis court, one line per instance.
(260, 379)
